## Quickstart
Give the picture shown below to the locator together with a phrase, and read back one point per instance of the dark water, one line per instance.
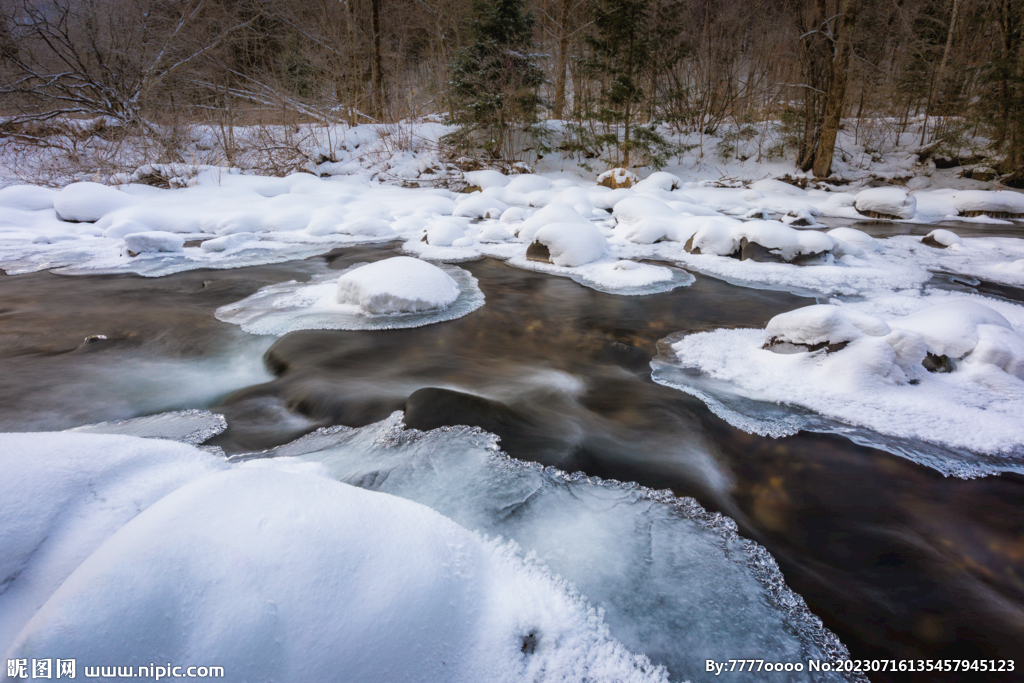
(899, 561)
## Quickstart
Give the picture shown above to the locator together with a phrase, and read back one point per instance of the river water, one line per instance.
(897, 560)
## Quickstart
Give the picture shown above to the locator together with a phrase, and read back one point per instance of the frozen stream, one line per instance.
(897, 560)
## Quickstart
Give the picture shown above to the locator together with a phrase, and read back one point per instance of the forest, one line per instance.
(619, 77)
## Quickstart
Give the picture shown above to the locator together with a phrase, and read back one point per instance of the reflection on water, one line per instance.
(899, 561)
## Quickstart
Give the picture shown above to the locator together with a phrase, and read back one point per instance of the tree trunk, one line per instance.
(561, 60)
(836, 97)
(377, 74)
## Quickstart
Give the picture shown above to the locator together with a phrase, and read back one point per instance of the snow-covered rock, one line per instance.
(886, 202)
(759, 240)
(977, 202)
(88, 202)
(552, 213)
(397, 285)
(941, 239)
(486, 179)
(153, 241)
(444, 233)
(570, 244)
(479, 205)
(616, 178)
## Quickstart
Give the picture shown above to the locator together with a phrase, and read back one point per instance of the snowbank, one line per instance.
(300, 576)
(63, 495)
(886, 202)
(950, 374)
(655, 587)
(568, 244)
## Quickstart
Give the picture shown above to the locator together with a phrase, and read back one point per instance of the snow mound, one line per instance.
(88, 202)
(555, 212)
(302, 577)
(153, 241)
(570, 244)
(397, 285)
(942, 239)
(974, 202)
(617, 178)
(886, 202)
(777, 241)
(228, 242)
(399, 292)
(486, 179)
(63, 495)
(27, 197)
(950, 375)
(444, 233)
(478, 205)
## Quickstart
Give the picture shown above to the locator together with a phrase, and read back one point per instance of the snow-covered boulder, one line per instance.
(821, 326)
(886, 202)
(485, 179)
(397, 285)
(153, 241)
(568, 244)
(952, 329)
(659, 180)
(941, 239)
(367, 226)
(88, 202)
(479, 205)
(444, 233)
(999, 204)
(858, 238)
(495, 233)
(617, 178)
(936, 338)
(552, 213)
(770, 241)
(527, 183)
(771, 185)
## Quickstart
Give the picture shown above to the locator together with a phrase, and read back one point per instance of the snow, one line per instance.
(873, 377)
(153, 241)
(109, 539)
(397, 285)
(228, 242)
(27, 197)
(399, 292)
(642, 556)
(63, 495)
(571, 244)
(88, 202)
(944, 238)
(889, 201)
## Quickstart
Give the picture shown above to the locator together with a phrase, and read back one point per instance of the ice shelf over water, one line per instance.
(395, 293)
(938, 378)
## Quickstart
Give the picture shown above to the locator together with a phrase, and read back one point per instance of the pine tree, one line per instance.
(495, 80)
(622, 54)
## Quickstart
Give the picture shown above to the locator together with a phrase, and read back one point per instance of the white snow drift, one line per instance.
(950, 374)
(119, 549)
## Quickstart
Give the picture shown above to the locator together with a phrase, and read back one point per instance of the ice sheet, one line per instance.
(282, 308)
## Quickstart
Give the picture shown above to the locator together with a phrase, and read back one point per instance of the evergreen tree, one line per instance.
(494, 82)
(622, 54)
